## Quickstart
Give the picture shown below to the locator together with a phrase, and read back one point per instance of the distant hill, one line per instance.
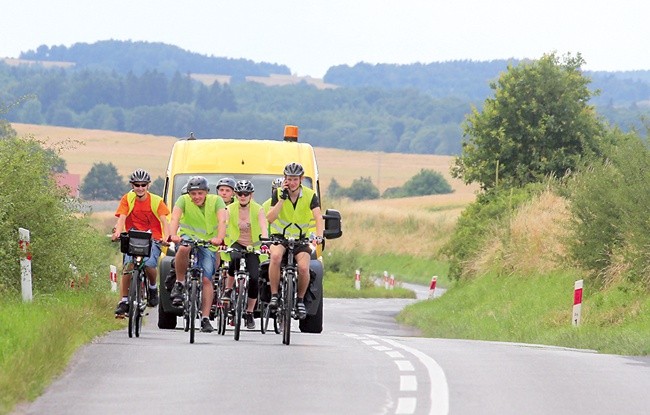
(139, 57)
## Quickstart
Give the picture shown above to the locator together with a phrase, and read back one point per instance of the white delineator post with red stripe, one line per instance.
(577, 302)
(432, 286)
(25, 264)
(113, 277)
(392, 281)
(386, 279)
(357, 280)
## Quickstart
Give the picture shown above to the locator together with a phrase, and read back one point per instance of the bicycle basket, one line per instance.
(139, 243)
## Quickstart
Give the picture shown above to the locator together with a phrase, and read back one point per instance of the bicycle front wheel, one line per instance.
(133, 303)
(287, 306)
(139, 301)
(241, 303)
(194, 299)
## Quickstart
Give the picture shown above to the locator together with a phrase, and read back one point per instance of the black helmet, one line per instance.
(277, 183)
(140, 176)
(226, 181)
(197, 183)
(293, 169)
(244, 186)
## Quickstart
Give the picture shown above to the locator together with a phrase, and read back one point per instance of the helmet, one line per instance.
(244, 186)
(140, 176)
(197, 183)
(293, 169)
(226, 181)
(277, 183)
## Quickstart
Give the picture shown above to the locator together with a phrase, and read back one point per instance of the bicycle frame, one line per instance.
(193, 284)
(287, 291)
(137, 296)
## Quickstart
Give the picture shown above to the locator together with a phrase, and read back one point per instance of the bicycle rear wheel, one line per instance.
(287, 307)
(193, 299)
(133, 302)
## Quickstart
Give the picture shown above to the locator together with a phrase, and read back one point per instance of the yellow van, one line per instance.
(260, 161)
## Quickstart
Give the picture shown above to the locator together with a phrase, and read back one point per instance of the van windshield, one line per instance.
(262, 183)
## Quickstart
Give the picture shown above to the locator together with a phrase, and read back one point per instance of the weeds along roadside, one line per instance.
(40, 337)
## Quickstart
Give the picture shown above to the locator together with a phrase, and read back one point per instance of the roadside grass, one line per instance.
(39, 338)
(538, 310)
(337, 285)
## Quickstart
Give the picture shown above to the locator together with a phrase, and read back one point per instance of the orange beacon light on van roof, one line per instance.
(290, 133)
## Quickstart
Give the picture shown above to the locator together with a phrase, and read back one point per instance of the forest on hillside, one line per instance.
(146, 88)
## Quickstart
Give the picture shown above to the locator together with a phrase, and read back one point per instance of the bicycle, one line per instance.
(239, 297)
(218, 310)
(138, 245)
(287, 291)
(193, 283)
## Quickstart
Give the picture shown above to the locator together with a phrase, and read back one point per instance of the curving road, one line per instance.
(363, 363)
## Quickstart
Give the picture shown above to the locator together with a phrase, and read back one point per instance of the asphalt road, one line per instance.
(363, 363)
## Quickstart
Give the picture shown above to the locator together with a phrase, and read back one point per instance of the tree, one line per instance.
(333, 189)
(157, 186)
(537, 124)
(360, 189)
(426, 182)
(102, 183)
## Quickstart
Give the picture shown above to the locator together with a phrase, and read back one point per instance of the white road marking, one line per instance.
(381, 348)
(395, 354)
(439, 392)
(404, 365)
(406, 405)
(370, 342)
(408, 383)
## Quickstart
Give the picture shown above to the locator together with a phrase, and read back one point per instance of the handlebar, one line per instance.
(195, 242)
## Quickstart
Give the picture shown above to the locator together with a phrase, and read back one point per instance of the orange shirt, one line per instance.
(141, 217)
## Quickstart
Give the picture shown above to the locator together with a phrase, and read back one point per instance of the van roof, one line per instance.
(244, 156)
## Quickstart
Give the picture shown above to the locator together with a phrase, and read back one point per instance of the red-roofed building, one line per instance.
(71, 181)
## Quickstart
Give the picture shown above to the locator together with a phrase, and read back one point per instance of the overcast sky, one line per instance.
(309, 36)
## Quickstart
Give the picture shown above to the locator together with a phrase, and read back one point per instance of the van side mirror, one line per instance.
(333, 228)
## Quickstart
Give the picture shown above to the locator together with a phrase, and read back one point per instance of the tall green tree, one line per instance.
(537, 124)
(102, 183)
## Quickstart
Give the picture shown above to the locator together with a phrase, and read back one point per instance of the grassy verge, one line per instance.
(39, 338)
(337, 285)
(538, 310)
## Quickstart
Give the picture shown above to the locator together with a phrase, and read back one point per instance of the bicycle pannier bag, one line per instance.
(139, 243)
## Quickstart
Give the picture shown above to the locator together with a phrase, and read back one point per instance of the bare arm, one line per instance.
(264, 226)
(173, 226)
(119, 227)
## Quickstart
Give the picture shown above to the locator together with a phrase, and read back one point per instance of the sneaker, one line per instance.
(302, 310)
(273, 304)
(177, 294)
(122, 309)
(206, 327)
(152, 298)
(250, 322)
(226, 295)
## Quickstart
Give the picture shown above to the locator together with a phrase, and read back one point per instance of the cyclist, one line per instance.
(199, 215)
(246, 223)
(293, 203)
(141, 210)
(226, 189)
(274, 186)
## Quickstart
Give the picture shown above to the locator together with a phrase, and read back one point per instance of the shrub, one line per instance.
(490, 209)
(60, 237)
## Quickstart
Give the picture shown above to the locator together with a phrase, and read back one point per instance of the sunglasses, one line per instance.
(139, 184)
(243, 193)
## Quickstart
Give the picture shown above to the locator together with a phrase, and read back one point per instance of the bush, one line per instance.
(426, 182)
(60, 237)
(490, 209)
(102, 183)
(361, 189)
(609, 203)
